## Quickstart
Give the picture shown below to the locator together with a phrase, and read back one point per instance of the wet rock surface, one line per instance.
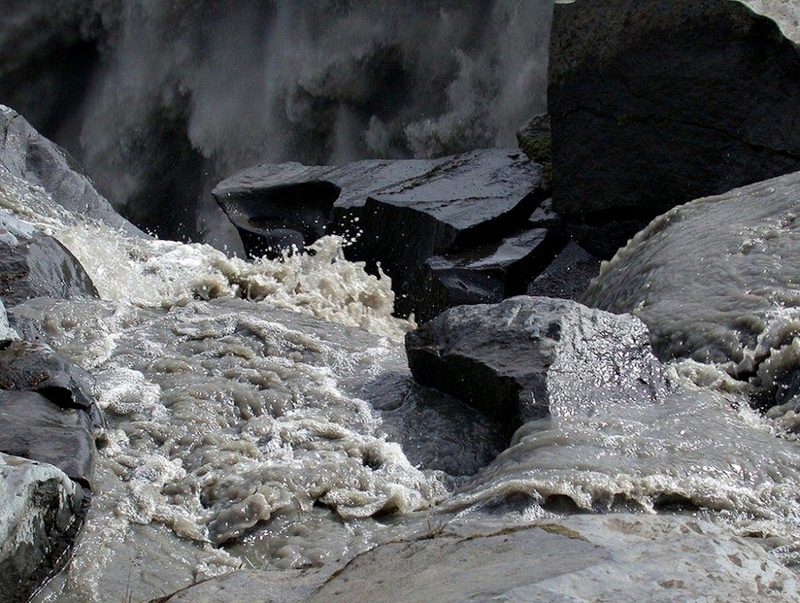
(529, 357)
(708, 280)
(35, 265)
(578, 558)
(42, 509)
(568, 275)
(653, 104)
(446, 231)
(28, 155)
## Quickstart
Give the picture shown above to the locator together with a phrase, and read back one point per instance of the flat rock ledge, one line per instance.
(619, 557)
(528, 357)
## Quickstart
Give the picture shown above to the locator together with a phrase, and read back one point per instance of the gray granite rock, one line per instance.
(33, 427)
(32, 157)
(655, 103)
(568, 275)
(41, 509)
(529, 357)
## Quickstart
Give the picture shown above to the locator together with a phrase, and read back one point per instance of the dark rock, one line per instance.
(400, 214)
(33, 427)
(529, 357)
(535, 140)
(35, 265)
(41, 510)
(568, 276)
(485, 274)
(653, 104)
(36, 367)
(32, 157)
(465, 201)
(271, 219)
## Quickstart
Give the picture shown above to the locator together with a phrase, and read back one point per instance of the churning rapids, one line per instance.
(262, 415)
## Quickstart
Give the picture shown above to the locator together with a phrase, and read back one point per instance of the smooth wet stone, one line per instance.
(485, 274)
(655, 103)
(26, 366)
(714, 281)
(568, 275)
(32, 157)
(35, 265)
(529, 357)
(616, 557)
(40, 511)
(33, 427)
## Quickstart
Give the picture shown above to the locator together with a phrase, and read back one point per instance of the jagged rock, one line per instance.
(714, 282)
(35, 265)
(30, 156)
(465, 201)
(399, 214)
(654, 103)
(38, 368)
(529, 357)
(33, 427)
(347, 187)
(41, 509)
(568, 275)
(485, 274)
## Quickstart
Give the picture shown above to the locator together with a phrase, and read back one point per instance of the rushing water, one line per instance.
(261, 415)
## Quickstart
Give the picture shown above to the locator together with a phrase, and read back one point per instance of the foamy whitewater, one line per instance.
(260, 415)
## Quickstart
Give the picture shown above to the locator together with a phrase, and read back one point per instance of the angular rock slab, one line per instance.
(715, 281)
(36, 367)
(529, 357)
(272, 189)
(40, 511)
(33, 427)
(654, 103)
(485, 274)
(32, 157)
(465, 201)
(35, 265)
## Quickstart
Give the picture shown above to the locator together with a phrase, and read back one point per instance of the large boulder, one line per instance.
(28, 155)
(34, 427)
(529, 357)
(33, 264)
(655, 103)
(447, 231)
(41, 509)
(714, 280)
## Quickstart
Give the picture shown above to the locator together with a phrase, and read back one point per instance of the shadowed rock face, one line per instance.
(529, 357)
(272, 219)
(655, 103)
(447, 231)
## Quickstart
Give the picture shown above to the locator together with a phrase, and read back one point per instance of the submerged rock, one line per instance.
(529, 357)
(714, 281)
(654, 103)
(41, 509)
